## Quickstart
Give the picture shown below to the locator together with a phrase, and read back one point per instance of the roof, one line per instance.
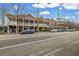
(29, 16)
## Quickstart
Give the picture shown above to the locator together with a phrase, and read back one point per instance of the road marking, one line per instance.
(52, 52)
(39, 52)
(28, 43)
(73, 42)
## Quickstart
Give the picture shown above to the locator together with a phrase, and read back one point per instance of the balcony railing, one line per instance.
(12, 23)
(28, 24)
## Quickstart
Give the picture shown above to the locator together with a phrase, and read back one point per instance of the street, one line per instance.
(40, 44)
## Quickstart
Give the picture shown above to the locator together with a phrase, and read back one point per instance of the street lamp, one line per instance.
(59, 9)
(77, 14)
(66, 18)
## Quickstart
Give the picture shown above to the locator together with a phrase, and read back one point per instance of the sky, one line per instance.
(47, 10)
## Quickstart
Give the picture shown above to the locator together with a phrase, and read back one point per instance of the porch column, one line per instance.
(16, 25)
(34, 23)
(38, 25)
(23, 24)
(50, 26)
(43, 25)
(29, 23)
(8, 29)
(50, 23)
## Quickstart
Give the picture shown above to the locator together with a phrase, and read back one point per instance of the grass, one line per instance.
(1, 32)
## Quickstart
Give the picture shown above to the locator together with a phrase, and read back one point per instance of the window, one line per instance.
(26, 20)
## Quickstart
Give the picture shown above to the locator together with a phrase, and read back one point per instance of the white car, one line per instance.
(54, 30)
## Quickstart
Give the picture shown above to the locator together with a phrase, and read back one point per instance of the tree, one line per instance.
(37, 15)
(19, 11)
(3, 13)
(70, 24)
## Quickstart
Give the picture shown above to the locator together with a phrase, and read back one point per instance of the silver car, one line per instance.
(27, 31)
(54, 30)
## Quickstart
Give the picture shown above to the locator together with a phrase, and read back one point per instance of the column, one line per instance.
(8, 26)
(16, 25)
(43, 25)
(23, 25)
(34, 23)
(29, 23)
(38, 25)
(8, 29)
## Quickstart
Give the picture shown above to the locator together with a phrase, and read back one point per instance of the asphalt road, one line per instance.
(40, 44)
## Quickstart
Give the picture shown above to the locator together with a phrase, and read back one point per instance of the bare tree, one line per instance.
(37, 14)
(70, 24)
(19, 10)
(3, 12)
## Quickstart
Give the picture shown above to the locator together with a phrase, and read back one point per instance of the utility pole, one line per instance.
(76, 23)
(77, 14)
(37, 16)
(58, 13)
(58, 16)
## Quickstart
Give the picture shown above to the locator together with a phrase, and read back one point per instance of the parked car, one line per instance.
(67, 30)
(54, 30)
(27, 31)
(61, 30)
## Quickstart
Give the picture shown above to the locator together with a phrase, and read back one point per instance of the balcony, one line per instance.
(20, 23)
(41, 25)
(12, 23)
(26, 24)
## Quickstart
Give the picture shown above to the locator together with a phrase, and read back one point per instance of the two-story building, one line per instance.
(22, 22)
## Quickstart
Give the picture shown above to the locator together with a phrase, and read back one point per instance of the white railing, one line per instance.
(12, 23)
(45, 25)
(26, 24)
(41, 25)
(35, 24)
(20, 23)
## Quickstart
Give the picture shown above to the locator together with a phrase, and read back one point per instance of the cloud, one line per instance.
(45, 5)
(38, 5)
(52, 5)
(66, 17)
(60, 8)
(15, 7)
(71, 6)
(45, 13)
